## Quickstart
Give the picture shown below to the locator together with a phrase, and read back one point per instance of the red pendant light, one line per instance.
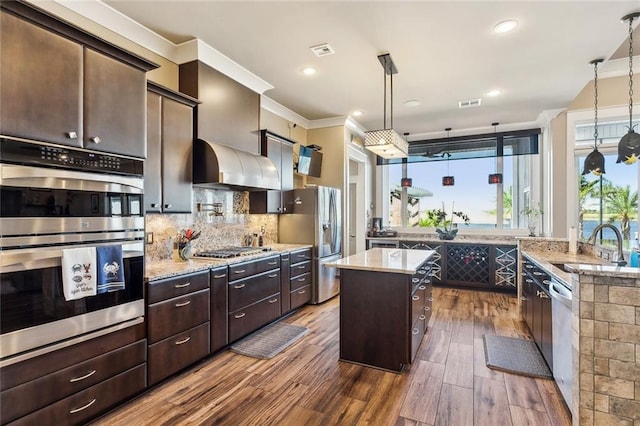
(448, 180)
(495, 177)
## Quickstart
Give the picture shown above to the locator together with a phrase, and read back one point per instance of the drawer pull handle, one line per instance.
(95, 139)
(301, 279)
(219, 276)
(183, 341)
(72, 135)
(415, 331)
(181, 304)
(182, 285)
(302, 291)
(272, 263)
(84, 407)
(422, 317)
(415, 297)
(415, 280)
(239, 271)
(240, 315)
(430, 299)
(272, 275)
(239, 285)
(426, 308)
(86, 376)
(422, 287)
(273, 300)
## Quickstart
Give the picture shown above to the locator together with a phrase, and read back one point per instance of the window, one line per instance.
(469, 161)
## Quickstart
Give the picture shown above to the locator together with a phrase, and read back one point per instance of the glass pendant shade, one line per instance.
(448, 181)
(594, 163)
(386, 143)
(406, 182)
(495, 178)
(629, 148)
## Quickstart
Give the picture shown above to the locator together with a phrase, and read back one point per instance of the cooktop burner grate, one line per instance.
(228, 252)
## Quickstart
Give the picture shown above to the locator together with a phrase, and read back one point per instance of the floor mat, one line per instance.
(518, 356)
(269, 341)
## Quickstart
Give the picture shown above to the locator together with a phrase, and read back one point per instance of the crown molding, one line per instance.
(282, 111)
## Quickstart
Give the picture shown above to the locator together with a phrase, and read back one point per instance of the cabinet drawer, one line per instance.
(300, 268)
(417, 333)
(300, 255)
(19, 401)
(177, 352)
(301, 281)
(90, 402)
(245, 269)
(252, 317)
(417, 305)
(176, 315)
(219, 309)
(249, 290)
(300, 296)
(177, 286)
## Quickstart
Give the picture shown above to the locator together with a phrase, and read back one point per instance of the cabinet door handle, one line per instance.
(185, 303)
(272, 275)
(302, 291)
(219, 276)
(155, 205)
(422, 317)
(182, 285)
(95, 139)
(84, 407)
(422, 287)
(239, 285)
(426, 308)
(430, 299)
(72, 135)
(167, 206)
(238, 271)
(272, 263)
(415, 331)
(183, 341)
(415, 280)
(542, 294)
(415, 297)
(240, 315)
(86, 376)
(273, 300)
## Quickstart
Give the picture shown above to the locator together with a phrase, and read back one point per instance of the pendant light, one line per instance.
(448, 180)
(629, 145)
(594, 163)
(387, 143)
(406, 182)
(495, 177)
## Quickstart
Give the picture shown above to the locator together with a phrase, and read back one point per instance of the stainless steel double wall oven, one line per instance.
(53, 198)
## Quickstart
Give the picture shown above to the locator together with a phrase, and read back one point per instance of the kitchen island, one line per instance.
(385, 305)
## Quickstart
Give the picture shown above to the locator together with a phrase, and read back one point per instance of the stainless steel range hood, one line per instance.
(220, 166)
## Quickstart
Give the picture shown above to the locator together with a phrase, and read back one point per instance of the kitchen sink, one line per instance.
(564, 266)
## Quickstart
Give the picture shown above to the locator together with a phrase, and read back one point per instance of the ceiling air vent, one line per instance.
(469, 103)
(322, 50)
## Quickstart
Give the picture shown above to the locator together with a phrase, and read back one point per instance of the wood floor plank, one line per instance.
(455, 406)
(448, 383)
(490, 403)
(459, 367)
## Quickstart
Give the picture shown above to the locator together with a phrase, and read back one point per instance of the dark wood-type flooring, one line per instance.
(447, 384)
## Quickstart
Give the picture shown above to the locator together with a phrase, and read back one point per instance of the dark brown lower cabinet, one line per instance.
(537, 308)
(219, 309)
(77, 383)
(250, 318)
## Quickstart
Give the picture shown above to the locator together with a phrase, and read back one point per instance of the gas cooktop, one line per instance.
(228, 252)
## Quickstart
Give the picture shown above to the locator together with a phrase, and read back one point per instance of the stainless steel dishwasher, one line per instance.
(561, 331)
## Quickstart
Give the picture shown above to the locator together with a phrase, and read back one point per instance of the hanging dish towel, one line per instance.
(79, 272)
(110, 268)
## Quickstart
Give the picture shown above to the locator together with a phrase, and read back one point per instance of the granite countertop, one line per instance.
(578, 263)
(403, 261)
(161, 269)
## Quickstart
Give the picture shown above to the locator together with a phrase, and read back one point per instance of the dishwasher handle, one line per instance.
(560, 293)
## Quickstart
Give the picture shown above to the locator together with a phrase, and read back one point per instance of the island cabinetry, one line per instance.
(285, 283)
(75, 384)
(254, 295)
(64, 86)
(219, 308)
(177, 323)
(168, 169)
(279, 150)
(301, 277)
(421, 303)
(437, 265)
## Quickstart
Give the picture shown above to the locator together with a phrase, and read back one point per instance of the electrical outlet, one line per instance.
(149, 237)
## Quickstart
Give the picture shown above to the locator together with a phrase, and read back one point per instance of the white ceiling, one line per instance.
(445, 51)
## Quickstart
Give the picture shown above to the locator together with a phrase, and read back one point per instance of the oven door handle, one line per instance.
(27, 259)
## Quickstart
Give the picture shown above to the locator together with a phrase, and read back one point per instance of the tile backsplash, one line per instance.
(229, 229)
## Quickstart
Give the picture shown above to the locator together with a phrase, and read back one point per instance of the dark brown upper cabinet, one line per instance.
(229, 113)
(280, 151)
(168, 168)
(65, 86)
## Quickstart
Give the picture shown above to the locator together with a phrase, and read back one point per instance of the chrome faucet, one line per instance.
(620, 260)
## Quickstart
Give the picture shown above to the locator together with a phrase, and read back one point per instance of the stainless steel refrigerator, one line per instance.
(316, 218)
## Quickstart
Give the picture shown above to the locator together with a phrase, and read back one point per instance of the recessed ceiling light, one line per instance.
(357, 113)
(412, 103)
(495, 92)
(309, 70)
(505, 26)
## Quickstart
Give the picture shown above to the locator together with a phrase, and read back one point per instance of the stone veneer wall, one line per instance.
(217, 231)
(606, 346)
